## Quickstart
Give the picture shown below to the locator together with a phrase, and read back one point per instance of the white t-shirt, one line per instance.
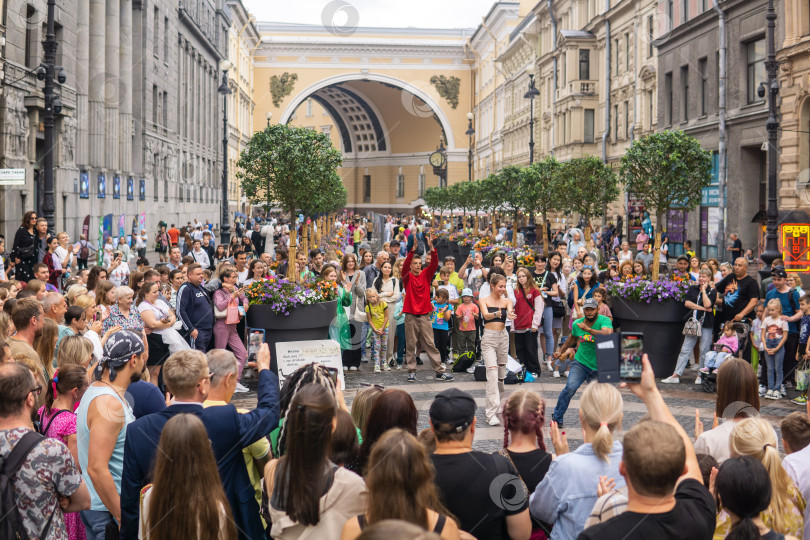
(797, 465)
(159, 308)
(452, 291)
(120, 276)
(63, 254)
(243, 275)
(664, 251)
(625, 257)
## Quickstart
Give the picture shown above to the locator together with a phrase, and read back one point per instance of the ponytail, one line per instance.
(745, 529)
(64, 380)
(601, 408)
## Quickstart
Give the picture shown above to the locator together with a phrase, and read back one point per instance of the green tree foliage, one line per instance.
(666, 170)
(587, 184)
(511, 180)
(281, 87)
(293, 167)
(542, 191)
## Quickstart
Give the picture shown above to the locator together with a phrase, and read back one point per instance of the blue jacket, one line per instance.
(566, 495)
(228, 431)
(194, 308)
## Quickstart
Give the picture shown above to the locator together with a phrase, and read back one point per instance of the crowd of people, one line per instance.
(128, 374)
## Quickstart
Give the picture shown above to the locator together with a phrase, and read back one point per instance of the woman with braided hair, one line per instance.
(308, 495)
(102, 419)
(311, 373)
(524, 414)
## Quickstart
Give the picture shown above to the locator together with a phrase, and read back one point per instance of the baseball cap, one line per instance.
(613, 258)
(590, 303)
(466, 292)
(453, 407)
(779, 272)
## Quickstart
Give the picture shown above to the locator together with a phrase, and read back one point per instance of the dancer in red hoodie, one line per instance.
(417, 308)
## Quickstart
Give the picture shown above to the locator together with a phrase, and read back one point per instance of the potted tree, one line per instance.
(295, 168)
(666, 170)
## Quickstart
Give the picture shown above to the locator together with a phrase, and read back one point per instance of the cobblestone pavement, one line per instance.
(682, 399)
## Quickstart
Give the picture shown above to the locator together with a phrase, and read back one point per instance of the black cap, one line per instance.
(453, 407)
(613, 258)
(779, 272)
(683, 258)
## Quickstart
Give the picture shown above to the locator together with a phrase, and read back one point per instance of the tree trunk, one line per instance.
(545, 235)
(476, 223)
(657, 252)
(291, 254)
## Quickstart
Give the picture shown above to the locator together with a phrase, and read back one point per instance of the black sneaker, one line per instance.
(419, 361)
(444, 377)
(411, 377)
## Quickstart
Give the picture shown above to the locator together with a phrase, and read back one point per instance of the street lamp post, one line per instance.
(53, 106)
(470, 132)
(269, 115)
(224, 89)
(772, 126)
(530, 95)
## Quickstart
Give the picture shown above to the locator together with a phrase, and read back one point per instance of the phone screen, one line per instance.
(255, 340)
(632, 348)
(333, 374)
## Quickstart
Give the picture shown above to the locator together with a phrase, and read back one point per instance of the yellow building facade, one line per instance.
(388, 97)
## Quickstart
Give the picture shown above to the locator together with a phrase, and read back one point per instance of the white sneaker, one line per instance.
(762, 390)
(672, 379)
(494, 421)
(782, 390)
(566, 373)
(698, 380)
(345, 368)
(240, 388)
(471, 369)
(376, 369)
(399, 367)
(555, 374)
(353, 368)
(772, 394)
(386, 367)
(549, 366)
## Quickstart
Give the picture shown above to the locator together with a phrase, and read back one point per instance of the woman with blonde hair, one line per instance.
(361, 406)
(6, 325)
(755, 437)
(45, 345)
(105, 298)
(401, 485)
(568, 492)
(73, 292)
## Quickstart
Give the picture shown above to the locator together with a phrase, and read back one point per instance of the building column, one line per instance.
(96, 80)
(112, 83)
(125, 88)
(82, 63)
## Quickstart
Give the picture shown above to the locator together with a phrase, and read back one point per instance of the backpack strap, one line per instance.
(439, 527)
(45, 430)
(16, 458)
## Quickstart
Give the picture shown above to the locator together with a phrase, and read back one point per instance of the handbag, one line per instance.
(232, 312)
(694, 326)
(558, 309)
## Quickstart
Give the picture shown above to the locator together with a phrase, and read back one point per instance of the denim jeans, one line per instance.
(774, 362)
(577, 375)
(689, 342)
(548, 332)
(363, 340)
(400, 343)
(95, 523)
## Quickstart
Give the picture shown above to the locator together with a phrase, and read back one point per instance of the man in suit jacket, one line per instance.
(186, 375)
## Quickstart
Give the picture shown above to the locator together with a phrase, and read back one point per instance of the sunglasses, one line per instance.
(380, 386)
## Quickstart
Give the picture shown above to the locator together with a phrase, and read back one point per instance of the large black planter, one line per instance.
(463, 253)
(442, 248)
(455, 253)
(661, 323)
(304, 323)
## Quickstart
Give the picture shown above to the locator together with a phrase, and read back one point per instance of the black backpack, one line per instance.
(10, 520)
(420, 244)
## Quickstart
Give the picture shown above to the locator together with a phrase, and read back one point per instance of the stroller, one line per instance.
(743, 331)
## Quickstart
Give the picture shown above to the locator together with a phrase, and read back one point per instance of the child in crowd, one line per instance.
(442, 310)
(399, 318)
(775, 333)
(725, 347)
(467, 313)
(600, 295)
(377, 311)
(757, 345)
(804, 347)
(443, 283)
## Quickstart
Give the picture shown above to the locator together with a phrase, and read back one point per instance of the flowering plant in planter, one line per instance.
(646, 291)
(283, 295)
(526, 258)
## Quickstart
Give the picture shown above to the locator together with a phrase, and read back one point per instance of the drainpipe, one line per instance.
(721, 135)
(607, 99)
(495, 53)
(635, 79)
(554, 76)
